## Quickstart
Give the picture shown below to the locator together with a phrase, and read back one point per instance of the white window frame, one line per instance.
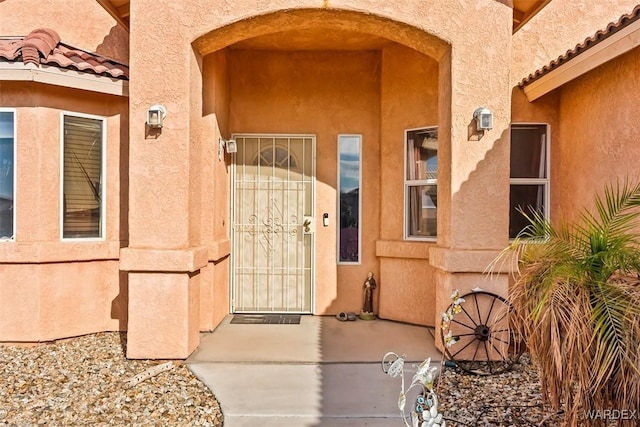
(414, 183)
(359, 261)
(15, 174)
(103, 179)
(545, 182)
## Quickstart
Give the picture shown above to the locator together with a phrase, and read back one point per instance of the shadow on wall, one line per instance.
(124, 180)
(120, 304)
(486, 190)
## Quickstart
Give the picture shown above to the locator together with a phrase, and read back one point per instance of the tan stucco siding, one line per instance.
(599, 133)
(52, 288)
(409, 99)
(474, 183)
(324, 94)
(214, 183)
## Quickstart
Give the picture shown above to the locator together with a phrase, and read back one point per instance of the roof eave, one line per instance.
(19, 71)
(613, 46)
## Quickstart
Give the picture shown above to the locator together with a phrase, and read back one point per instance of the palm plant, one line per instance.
(577, 295)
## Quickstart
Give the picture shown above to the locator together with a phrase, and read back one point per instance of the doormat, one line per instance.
(266, 319)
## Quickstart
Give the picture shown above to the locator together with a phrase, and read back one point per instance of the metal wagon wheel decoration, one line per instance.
(476, 333)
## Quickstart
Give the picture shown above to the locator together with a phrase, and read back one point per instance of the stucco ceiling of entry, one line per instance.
(313, 39)
(523, 10)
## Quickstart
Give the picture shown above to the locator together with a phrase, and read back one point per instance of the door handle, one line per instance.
(307, 225)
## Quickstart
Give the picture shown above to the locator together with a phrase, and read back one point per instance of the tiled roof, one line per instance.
(43, 46)
(612, 28)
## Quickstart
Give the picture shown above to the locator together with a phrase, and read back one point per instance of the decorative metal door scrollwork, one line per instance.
(270, 228)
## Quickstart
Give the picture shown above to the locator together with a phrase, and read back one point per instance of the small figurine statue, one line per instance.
(367, 306)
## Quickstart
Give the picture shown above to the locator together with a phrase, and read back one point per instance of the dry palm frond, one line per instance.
(577, 296)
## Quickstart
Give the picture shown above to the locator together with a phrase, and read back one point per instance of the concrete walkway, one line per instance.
(322, 372)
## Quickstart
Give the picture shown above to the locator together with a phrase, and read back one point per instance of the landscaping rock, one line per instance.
(511, 398)
(85, 381)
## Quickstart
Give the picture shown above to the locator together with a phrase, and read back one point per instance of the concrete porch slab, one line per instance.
(317, 339)
(322, 372)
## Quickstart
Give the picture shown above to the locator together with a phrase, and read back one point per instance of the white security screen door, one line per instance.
(272, 222)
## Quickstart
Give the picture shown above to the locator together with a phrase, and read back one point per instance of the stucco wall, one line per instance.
(214, 283)
(179, 199)
(409, 99)
(473, 184)
(599, 133)
(179, 188)
(43, 294)
(325, 94)
(47, 301)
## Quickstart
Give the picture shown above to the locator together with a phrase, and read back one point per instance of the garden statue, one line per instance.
(367, 306)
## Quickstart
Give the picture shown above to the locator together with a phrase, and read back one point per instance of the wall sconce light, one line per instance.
(155, 116)
(230, 145)
(484, 118)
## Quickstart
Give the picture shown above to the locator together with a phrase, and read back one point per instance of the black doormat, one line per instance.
(266, 319)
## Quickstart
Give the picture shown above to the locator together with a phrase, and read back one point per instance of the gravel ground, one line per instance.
(508, 399)
(84, 381)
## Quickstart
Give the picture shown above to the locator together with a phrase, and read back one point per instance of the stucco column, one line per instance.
(473, 180)
(163, 257)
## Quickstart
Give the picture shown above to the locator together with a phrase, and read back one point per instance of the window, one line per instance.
(7, 174)
(83, 177)
(529, 190)
(349, 177)
(421, 183)
(276, 156)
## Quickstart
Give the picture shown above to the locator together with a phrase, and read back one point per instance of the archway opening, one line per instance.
(330, 73)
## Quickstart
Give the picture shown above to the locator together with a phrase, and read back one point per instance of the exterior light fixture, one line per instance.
(230, 145)
(155, 116)
(484, 118)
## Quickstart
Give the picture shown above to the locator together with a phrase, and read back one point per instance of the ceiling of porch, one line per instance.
(523, 10)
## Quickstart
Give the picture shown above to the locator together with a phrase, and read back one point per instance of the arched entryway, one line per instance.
(324, 74)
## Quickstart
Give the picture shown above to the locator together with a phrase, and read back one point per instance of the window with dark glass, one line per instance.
(349, 177)
(7, 174)
(421, 183)
(83, 186)
(529, 190)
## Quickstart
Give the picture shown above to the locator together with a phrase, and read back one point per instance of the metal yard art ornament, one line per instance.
(482, 329)
(425, 411)
(486, 344)
(447, 317)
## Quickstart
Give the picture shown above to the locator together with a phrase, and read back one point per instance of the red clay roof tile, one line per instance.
(43, 46)
(589, 42)
(10, 49)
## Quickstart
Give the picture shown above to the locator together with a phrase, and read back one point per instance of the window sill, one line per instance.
(62, 251)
